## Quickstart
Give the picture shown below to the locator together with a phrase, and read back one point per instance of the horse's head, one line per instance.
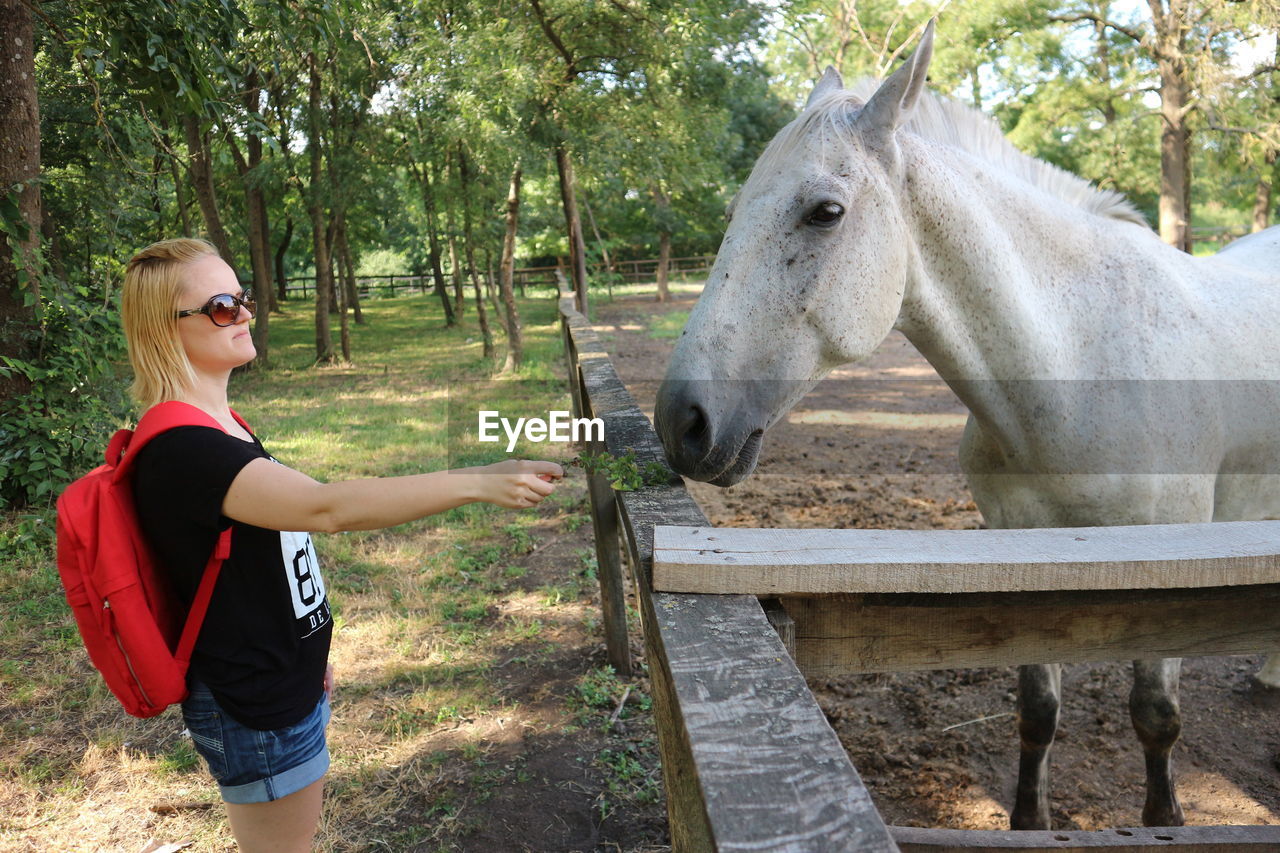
(810, 275)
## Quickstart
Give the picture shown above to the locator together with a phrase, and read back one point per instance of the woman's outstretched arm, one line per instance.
(268, 494)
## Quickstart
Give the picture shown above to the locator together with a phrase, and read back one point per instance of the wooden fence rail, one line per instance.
(748, 759)
(545, 276)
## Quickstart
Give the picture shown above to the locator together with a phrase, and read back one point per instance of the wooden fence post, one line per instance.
(604, 523)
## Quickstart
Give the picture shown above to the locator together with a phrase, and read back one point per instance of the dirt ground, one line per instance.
(875, 446)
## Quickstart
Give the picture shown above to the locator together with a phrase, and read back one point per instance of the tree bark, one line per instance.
(455, 266)
(515, 341)
(341, 297)
(206, 195)
(349, 272)
(468, 245)
(180, 193)
(573, 225)
(1171, 25)
(664, 242)
(282, 284)
(19, 166)
(433, 245)
(319, 228)
(1262, 204)
(664, 264)
(259, 229)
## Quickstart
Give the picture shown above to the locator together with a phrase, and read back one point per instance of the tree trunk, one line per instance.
(664, 263)
(464, 175)
(573, 224)
(259, 229)
(19, 166)
(53, 248)
(604, 250)
(515, 343)
(349, 272)
(206, 195)
(342, 295)
(1171, 26)
(282, 284)
(1175, 158)
(433, 246)
(330, 236)
(179, 189)
(664, 241)
(1261, 205)
(491, 285)
(319, 228)
(455, 267)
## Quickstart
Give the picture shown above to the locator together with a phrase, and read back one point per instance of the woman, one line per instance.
(259, 677)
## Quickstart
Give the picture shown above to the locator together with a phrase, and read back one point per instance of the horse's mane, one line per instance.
(950, 123)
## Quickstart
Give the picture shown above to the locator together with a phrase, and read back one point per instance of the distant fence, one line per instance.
(1220, 234)
(523, 277)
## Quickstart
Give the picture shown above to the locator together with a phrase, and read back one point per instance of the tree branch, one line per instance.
(1136, 35)
(571, 65)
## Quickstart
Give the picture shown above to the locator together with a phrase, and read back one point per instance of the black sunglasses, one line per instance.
(224, 308)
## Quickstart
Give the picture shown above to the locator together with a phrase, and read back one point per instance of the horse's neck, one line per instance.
(1008, 283)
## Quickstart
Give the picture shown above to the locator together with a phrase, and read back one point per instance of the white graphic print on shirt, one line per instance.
(306, 587)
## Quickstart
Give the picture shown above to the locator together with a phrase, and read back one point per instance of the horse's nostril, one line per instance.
(697, 424)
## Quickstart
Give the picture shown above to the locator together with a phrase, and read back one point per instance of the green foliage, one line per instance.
(624, 472)
(58, 428)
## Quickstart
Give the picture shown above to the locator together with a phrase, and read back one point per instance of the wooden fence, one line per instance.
(523, 277)
(748, 759)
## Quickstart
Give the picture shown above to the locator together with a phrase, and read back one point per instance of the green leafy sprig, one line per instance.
(624, 472)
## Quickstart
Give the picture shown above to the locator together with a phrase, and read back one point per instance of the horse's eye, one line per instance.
(826, 214)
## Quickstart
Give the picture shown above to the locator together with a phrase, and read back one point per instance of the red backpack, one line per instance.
(121, 599)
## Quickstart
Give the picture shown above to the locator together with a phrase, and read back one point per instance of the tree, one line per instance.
(1179, 29)
(316, 211)
(20, 217)
(515, 341)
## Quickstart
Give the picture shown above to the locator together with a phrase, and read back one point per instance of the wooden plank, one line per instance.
(748, 759)
(841, 634)
(1182, 839)
(613, 598)
(782, 623)
(783, 562)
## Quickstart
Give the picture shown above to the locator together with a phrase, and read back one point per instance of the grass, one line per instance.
(460, 639)
(669, 325)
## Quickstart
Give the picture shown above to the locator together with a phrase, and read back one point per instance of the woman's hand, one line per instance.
(328, 680)
(517, 483)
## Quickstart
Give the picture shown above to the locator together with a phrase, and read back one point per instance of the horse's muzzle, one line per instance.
(705, 437)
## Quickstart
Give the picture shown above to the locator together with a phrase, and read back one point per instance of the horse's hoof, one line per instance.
(1163, 816)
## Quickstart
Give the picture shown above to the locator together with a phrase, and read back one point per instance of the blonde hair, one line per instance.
(153, 286)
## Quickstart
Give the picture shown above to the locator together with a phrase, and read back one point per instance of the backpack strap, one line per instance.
(200, 604)
(161, 418)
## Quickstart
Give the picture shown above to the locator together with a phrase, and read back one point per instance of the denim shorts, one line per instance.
(252, 766)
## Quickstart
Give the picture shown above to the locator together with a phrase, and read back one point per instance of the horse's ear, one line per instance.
(830, 82)
(893, 102)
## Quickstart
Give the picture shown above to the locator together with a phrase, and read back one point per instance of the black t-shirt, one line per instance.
(264, 644)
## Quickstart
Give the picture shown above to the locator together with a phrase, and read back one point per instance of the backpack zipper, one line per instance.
(137, 682)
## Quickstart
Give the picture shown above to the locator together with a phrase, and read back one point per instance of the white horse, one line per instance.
(1091, 356)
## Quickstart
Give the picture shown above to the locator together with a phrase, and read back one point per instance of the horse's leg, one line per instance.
(1153, 706)
(1039, 689)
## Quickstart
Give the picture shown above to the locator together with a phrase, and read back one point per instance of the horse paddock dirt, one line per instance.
(875, 446)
